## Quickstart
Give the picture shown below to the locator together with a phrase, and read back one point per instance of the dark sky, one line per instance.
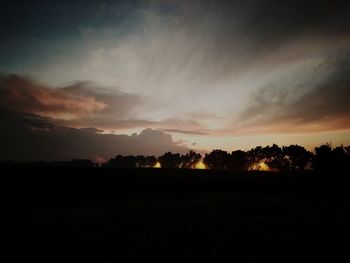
(203, 74)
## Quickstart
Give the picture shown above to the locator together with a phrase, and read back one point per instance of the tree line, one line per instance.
(273, 158)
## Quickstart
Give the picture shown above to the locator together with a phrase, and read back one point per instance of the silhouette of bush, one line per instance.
(298, 157)
(238, 160)
(170, 160)
(329, 159)
(217, 159)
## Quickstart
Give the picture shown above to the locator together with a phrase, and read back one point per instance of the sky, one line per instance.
(92, 79)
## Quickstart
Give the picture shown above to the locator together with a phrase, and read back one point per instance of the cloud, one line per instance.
(206, 55)
(120, 108)
(192, 132)
(28, 137)
(165, 60)
(111, 123)
(82, 103)
(303, 105)
(22, 94)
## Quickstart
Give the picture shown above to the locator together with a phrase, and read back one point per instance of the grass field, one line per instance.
(171, 215)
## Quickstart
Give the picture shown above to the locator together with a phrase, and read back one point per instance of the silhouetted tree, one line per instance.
(170, 160)
(298, 157)
(238, 160)
(140, 161)
(190, 159)
(329, 159)
(217, 159)
(275, 158)
(347, 150)
(145, 161)
(339, 159)
(347, 156)
(255, 155)
(322, 158)
(150, 161)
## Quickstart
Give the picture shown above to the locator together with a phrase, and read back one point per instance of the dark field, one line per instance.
(172, 215)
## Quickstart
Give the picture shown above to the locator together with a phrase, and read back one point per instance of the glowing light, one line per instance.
(200, 165)
(157, 165)
(261, 166)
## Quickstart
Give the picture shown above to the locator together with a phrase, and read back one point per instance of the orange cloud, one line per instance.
(25, 95)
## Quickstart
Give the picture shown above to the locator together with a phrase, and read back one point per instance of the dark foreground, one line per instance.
(172, 215)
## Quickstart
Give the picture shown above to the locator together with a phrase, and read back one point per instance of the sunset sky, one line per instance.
(92, 79)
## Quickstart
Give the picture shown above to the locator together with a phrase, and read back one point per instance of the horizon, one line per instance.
(95, 79)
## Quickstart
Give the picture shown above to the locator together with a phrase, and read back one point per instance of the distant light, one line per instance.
(157, 165)
(200, 165)
(261, 166)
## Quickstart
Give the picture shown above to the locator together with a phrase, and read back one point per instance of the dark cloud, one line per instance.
(283, 18)
(55, 19)
(300, 107)
(262, 25)
(31, 137)
(259, 24)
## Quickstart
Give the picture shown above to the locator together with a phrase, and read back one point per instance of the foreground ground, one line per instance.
(169, 215)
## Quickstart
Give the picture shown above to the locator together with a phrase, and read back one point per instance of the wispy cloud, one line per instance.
(303, 105)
